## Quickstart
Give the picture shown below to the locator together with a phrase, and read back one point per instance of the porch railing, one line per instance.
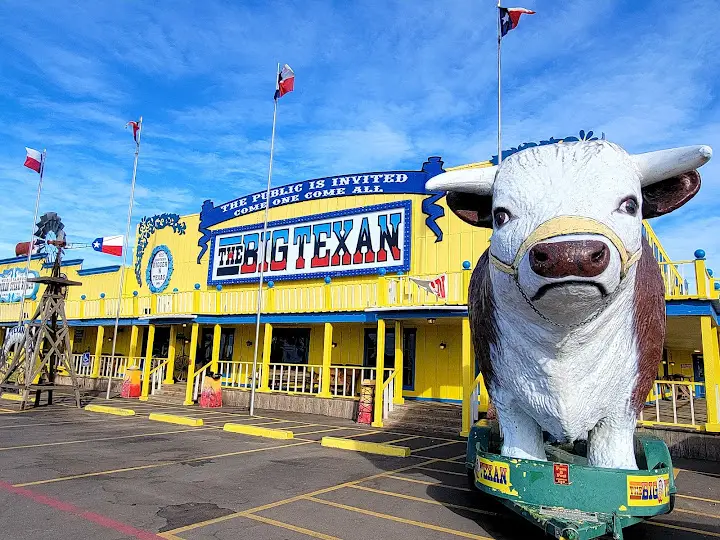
(157, 375)
(239, 374)
(388, 392)
(295, 378)
(674, 403)
(345, 379)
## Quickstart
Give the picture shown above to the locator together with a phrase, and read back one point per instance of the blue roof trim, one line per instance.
(70, 262)
(12, 260)
(690, 308)
(99, 270)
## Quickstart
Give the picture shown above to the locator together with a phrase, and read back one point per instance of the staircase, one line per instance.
(169, 394)
(426, 417)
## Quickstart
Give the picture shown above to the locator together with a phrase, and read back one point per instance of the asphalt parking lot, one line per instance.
(71, 474)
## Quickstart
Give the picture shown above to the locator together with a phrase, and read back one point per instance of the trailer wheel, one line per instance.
(471, 480)
(672, 502)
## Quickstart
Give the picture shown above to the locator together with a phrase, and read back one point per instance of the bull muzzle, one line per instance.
(581, 258)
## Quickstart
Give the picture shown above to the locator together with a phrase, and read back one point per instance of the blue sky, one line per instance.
(380, 85)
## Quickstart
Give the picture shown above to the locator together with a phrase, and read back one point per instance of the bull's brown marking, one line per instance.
(649, 322)
(667, 195)
(481, 310)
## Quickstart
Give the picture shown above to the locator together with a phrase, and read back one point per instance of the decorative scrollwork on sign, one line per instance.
(582, 136)
(146, 228)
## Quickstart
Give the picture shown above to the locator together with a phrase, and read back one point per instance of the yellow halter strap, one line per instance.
(565, 225)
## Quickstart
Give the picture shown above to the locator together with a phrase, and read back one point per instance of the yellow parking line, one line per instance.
(389, 517)
(693, 498)
(437, 445)
(716, 475)
(410, 438)
(425, 483)
(302, 530)
(318, 431)
(155, 465)
(686, 529)
(60, 443)
(694, 513)
(292, 499)
(422, 500)
(430, 469)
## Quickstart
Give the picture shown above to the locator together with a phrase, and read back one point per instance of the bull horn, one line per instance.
(663, 164)
(478, 180)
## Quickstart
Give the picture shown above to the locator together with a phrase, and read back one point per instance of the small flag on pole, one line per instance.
(286, 81)
(135, 128)
(509, 18)
(112, 245)
(33, 160)
(437, 286)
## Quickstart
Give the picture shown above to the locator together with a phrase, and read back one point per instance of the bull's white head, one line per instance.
(567, 218)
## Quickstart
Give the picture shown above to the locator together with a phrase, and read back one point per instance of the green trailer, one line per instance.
(564, 496)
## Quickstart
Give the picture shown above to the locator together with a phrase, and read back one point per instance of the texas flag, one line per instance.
(510, 17)
(286, 81)
(112, 245)
(33, 160)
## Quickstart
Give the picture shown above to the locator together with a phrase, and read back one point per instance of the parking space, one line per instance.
(88, 475)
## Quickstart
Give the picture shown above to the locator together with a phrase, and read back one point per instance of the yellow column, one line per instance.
(215, 359)
(711, 358)
(326, 360)
(196, 301)
(132, 350)
(147, 365)
(379, 374)
(267, 345)
(382, 293)
(170, 369)
(466, 275)
(701, 278)
(467, 377)
(95, 373)
(191, 365)
(399, 364)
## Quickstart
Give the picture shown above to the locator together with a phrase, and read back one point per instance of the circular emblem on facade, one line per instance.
(159, 269)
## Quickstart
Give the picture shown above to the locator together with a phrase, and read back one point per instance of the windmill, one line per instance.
(46, 344)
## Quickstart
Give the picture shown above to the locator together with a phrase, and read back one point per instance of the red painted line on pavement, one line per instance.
(57, 504)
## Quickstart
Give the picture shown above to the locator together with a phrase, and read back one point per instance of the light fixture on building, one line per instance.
(431, 321)
(443, 345)
(672, 363)
(248, 343)
(334, 344)
(696, 351)
(184, 325)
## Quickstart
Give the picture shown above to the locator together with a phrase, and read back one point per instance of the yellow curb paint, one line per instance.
(256, 431)
(117, 411)
(367, 447)
(176, 419)
(11, 397)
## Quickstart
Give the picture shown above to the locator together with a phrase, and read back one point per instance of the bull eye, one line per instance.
(501, 217)
(629, 206)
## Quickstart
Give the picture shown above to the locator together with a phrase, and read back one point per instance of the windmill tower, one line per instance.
(46, 346)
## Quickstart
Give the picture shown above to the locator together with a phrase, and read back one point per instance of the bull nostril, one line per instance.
(599, 254)
(540, 256)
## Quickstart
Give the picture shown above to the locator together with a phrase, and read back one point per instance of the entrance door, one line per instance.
(409, 339)
(699, 374)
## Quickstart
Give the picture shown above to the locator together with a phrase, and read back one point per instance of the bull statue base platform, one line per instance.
(564, 496)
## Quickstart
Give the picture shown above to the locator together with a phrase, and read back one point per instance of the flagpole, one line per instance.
(121, 280)
(499, 100)
(263, 243)
(21, 317)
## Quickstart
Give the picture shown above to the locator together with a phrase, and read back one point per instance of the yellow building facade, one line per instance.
(355, 264)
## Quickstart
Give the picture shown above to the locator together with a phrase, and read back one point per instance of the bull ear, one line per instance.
(667, 195)
(473, 209)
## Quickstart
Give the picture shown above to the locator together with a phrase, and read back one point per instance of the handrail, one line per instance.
(657, 394)
(199, 379)
(157, 375)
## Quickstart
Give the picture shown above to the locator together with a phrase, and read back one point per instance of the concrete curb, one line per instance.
(257, 431)
(367, 447)
(117, 411)
(175, 419)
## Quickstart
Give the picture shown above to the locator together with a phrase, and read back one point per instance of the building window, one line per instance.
(409, 348)
(290, 346)
(227, 343)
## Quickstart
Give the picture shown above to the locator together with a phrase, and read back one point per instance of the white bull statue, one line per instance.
(567, 305)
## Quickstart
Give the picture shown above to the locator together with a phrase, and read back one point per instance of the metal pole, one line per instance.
(499, 102)
(263, 243)
(121, 281)
(21, 318)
